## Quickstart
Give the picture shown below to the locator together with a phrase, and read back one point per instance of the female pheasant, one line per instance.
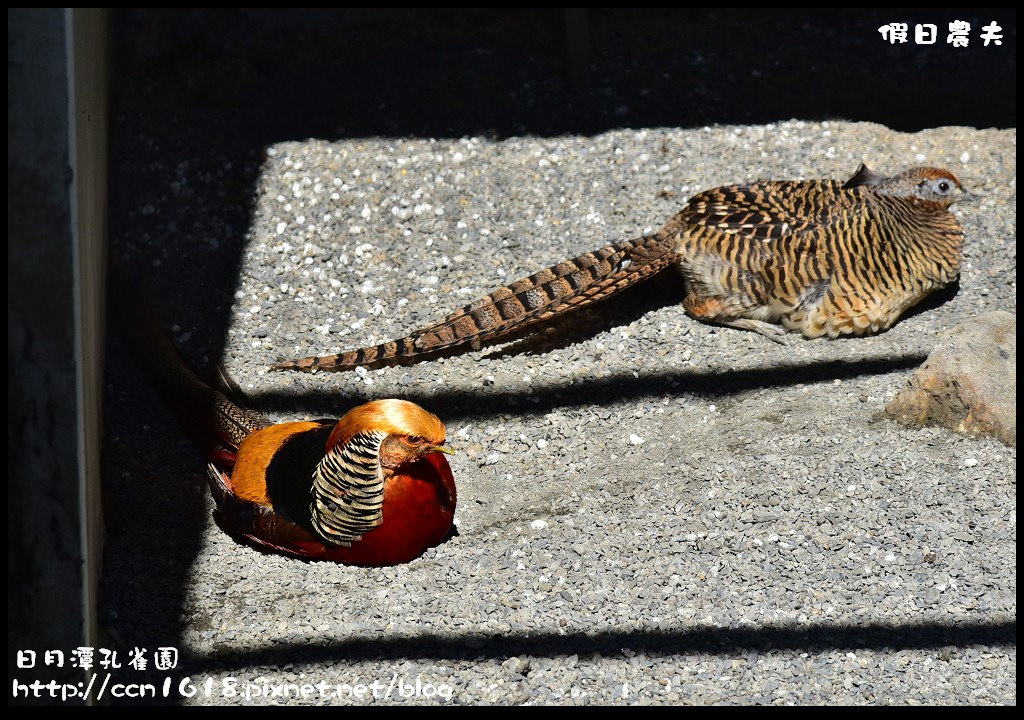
(369, 489)
(816, 257)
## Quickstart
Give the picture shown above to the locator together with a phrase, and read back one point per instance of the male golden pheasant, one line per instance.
(817, 257)
(370, 489)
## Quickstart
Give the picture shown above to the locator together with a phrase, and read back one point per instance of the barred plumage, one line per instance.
(348, 490)
(817, 257)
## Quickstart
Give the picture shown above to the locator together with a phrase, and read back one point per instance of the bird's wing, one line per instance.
(259, 523)
(764, 211)
(742, 242)
(569, 285)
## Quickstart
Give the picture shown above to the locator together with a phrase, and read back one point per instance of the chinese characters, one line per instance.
(163, 658)
(959, 35)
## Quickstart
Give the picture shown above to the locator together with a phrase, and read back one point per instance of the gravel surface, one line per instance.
(651, 509)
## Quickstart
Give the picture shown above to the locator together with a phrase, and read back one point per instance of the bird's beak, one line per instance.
(443, 449)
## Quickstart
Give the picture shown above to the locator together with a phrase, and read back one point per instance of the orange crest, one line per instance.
(393, 417)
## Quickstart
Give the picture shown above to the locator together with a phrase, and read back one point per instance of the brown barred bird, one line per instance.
(817, 257)
(369, 489)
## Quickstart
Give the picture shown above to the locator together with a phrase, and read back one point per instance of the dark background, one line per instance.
(273, 74)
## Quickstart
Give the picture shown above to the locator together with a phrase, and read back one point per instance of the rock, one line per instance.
(517, 665)
(969, 382)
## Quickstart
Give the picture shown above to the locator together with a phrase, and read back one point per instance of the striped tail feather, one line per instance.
(569, 285)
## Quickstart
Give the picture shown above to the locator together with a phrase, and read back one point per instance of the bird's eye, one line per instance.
(944, 186)
(414, 440)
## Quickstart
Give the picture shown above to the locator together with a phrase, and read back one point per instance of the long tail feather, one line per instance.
(206, 413)
(569, 285)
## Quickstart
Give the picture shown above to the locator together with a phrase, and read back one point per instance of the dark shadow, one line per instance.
(719, 641)
(154, 511)
(448, 72)
(933, 301)
(541, 399)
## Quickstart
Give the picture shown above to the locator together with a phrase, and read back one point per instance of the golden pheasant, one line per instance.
(369, 489)
(817, 257)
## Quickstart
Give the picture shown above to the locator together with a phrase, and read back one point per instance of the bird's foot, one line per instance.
(776, 333)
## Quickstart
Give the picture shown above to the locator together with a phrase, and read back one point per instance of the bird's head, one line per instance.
(411, 432)
(925, 183)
